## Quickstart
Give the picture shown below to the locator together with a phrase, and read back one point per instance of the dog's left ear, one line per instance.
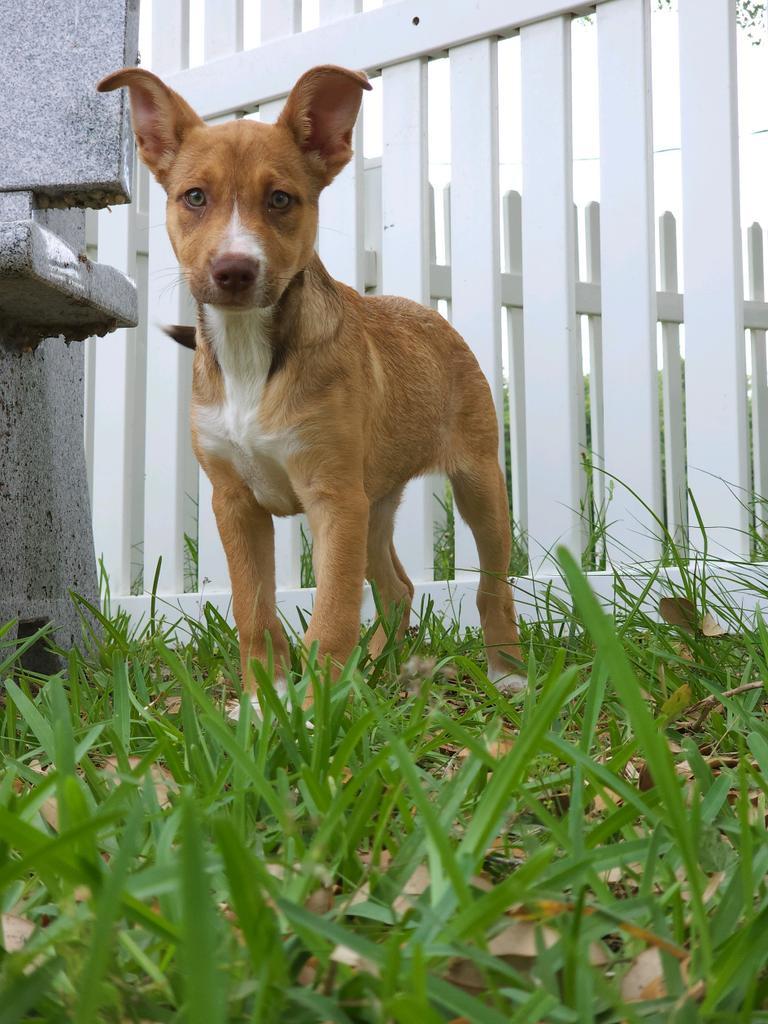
(320, 113)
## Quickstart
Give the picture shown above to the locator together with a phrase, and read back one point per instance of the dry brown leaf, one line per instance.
(501, 747)
(320, 901)
(308, 972)
(619, 874)
(516, 946)
(714, 883)
(711, 627)
(679, 611)
(49, 812)
(232, 710)
(16, 930)
(645, 978)
(347, 956)
(413, 888)
(162, 778)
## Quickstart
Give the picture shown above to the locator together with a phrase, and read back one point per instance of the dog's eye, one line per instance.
(280, 200)
(194, 197)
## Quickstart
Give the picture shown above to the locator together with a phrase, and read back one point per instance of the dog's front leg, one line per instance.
(339, 524)
(248, 537)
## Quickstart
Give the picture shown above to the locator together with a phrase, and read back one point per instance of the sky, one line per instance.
(753, 108)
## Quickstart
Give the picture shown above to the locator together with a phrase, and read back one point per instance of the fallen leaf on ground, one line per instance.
(320, 901)
(347, 956)
(162, 778)
(517, 946)
(711, 627)
(16, 931)
(413, 888)
(678, 611)
(645, 978)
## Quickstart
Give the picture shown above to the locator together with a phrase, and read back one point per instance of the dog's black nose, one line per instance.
(234, 273)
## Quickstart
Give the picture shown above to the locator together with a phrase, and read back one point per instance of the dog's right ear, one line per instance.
(161, 118)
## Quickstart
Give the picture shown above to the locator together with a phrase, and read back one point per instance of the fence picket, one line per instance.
(223, 28)
(89, 360)
(340, 229)
(672, 392)
(223, 36)
(113, 399)
(715, 362)
(552, 356)
(513, 247)
(596, 385)
(630, 405)
(278, 21)
(475, 245)
(756, 269)
(168, 366)
(405, 261)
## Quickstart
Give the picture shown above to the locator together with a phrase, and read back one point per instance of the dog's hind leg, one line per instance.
(384, 568)
(481, 498)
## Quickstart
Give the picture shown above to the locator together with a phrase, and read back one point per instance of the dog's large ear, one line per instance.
(161, 118)
(320, 113)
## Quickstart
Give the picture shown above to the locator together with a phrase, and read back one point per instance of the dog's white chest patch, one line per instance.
(233, 431)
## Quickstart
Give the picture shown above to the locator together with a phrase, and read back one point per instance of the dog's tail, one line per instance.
(181, 334)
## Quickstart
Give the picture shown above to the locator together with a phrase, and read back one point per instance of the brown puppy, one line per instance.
(306, 395)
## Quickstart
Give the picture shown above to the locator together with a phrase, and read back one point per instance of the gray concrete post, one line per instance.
(63, 146)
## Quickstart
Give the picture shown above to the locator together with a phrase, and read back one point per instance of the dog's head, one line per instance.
(242, 196)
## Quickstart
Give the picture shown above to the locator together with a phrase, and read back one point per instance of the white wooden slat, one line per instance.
(223, 28)
(373, 224)
(595, 328)
(513, 247)
(340, 228)
(581, 401)
(385, 36)
(446, 214)
(672, 391)
(756, 269)
(139, 346)
(170, 37)
(439, 481)
(552, 357)
(223, 37)
(431, 218)
(112, 441)
(279, 20)
(89, 360)
(475, 243)
(405, 262)
(168, 365)
(630, 408)
(715, 362)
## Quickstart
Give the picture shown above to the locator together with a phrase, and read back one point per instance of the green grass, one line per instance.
(429, 851)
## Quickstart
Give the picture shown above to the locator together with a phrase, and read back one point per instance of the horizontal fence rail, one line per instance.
(601, 367)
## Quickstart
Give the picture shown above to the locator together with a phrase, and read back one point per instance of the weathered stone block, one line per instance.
(46, 543)
(49, 287)
(58, 137)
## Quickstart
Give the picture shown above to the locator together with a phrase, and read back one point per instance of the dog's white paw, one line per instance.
(507, 683)
(281, 688)
(233, 706)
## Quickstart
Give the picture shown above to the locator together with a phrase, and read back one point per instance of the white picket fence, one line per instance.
(377, 232)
